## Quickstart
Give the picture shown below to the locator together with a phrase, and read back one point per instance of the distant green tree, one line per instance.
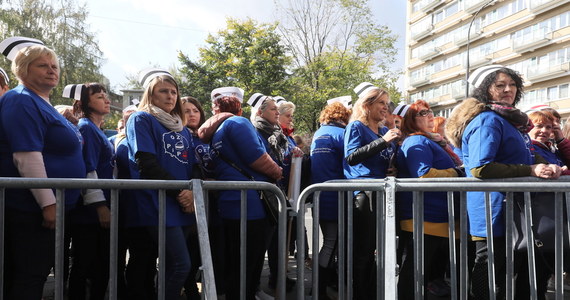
(335, 45)
(245, 54)
(61, 26)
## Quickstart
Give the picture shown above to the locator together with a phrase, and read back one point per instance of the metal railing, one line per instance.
(386, 243)
(200, 189)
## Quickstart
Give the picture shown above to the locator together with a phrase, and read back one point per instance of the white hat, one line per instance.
(227, 91)
(73, 91)
(147, 75)
(344, 100)
(477, 77)
(363, 88)
(279, 100)
(12, 45)
(401, 110)
(130, 108)
(256, 100)
(3, 74)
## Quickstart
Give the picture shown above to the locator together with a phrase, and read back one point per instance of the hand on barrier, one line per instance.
(186, 201)
(48, 213)
(104, 215)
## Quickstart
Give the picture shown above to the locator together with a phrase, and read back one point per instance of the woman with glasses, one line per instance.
(493, 136)
(368, 148)
(424, 154)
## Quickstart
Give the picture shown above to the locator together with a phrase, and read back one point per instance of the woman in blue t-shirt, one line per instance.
(424, 154)
(493, 136)
(327, 163)
(35, 142)
(90, 221)
(368, 150)
(159, 148)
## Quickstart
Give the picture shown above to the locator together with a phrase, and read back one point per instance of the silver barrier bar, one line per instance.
(390, 261)
(490, 247)
(452, 244)
(2, 223)
(209, 282)
(301, 245)
(349, 248)
(530, 245)
(243, 243)
(114, 244)
(510, 255)
(341, 242)
(380, 242)
(418, 235)
(558, 245)
(316, 235)
(59, 241)
(161, 244)
(463, 243)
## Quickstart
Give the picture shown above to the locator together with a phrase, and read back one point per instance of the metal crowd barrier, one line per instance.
(200, 189)
(386, 241)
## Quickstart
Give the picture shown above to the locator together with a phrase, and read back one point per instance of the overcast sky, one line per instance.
(135, 34)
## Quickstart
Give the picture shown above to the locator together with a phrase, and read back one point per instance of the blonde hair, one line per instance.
(27, 55)
(361, 107)
(146, 100)
(286, 107)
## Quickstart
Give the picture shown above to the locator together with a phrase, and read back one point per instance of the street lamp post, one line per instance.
(468, 44)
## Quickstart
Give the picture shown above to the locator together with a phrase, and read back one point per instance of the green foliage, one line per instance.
(245, 54)
(111, 120)
(336, 46)
(62, 27)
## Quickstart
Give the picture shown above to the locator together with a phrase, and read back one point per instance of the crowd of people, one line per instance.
(167, 137)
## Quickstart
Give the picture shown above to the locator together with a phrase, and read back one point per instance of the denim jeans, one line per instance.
(177, 259)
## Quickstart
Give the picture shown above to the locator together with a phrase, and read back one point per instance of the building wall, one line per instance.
(530, 36)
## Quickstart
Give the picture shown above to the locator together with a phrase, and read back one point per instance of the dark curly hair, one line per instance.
(482, 92)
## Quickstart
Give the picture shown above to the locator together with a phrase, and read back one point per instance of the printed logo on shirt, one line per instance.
(204, 157)
(176, 145)
(387, 153)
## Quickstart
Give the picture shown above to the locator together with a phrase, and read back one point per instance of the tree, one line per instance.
(336, 45)
(245, 54)
(64, 29)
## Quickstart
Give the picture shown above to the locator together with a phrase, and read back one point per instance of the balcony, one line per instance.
(429, 53)
(476, 61)
(426, 31)
(547, 72)
(420, 81)
(532, 41)
(461, 39)
(471, 6)
(458, 92)
(539, 6)
(431, 5)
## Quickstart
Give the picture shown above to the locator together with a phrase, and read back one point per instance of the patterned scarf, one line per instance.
(517, 118)
(276, 138)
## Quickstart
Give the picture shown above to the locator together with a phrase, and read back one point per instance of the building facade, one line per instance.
(529, 36)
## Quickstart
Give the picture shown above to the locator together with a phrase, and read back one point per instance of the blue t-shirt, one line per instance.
(28, 123)
(99, 156)
(551, 157)
(328, 163)
(237, 140)
(173, 153)
(357, 135)
(416, 157)
(490, 138)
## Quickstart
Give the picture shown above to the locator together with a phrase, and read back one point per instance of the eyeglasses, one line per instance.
(424, 113)
(502, 86)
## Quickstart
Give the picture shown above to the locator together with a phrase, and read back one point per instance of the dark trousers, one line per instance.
(329, 251)
(436, 260)
(141, 267)
(479, 277)
(90, 247)
(256, 245)
(29, 255)
(364, 226)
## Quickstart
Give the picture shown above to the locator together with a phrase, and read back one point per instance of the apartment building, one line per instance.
(530, 36)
